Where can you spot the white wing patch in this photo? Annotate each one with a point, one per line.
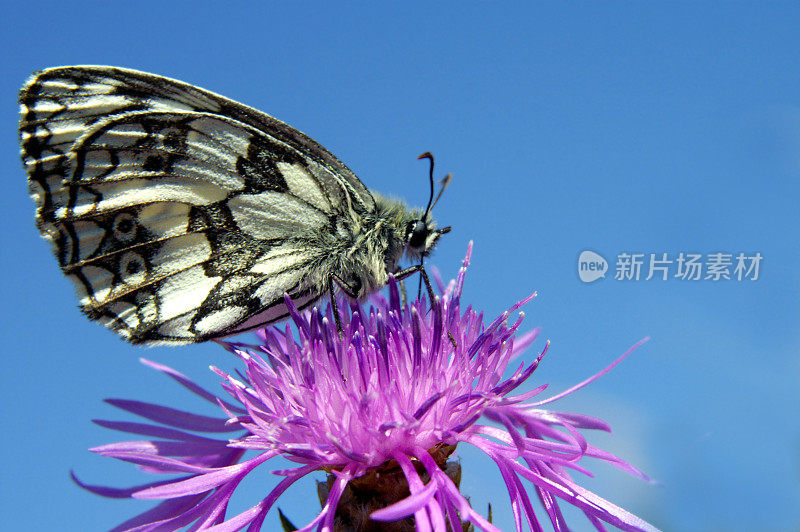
(173, 297)
(271, 215)
(304, 186)
(279, 259)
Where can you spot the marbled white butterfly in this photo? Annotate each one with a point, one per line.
(182, 216)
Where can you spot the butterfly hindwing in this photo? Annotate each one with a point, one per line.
(173, 209)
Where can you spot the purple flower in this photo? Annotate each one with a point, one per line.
(380, 410)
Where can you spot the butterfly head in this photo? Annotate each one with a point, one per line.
(421, 234)
(421, 237)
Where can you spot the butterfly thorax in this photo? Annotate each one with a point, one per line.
(361, 249)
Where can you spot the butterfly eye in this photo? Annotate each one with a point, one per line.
(418, 234)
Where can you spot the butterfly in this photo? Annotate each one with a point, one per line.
(182, 216)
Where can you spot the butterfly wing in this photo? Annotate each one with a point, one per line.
(175, 211)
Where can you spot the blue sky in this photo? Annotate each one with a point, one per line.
(617, 128)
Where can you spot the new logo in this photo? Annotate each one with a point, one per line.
(591, 266)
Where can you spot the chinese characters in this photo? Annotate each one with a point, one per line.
(687, 266)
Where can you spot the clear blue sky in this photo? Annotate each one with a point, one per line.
(638, 128)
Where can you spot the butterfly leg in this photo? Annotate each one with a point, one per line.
(452, 340)
(402, 274)
(403, 295)
(334, 306)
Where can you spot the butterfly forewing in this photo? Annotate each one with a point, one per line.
(175, 210)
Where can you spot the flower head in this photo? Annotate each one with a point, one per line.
(380, 409)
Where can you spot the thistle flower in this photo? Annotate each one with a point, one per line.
(380, 409)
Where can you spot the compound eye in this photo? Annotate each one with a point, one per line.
(419, 233)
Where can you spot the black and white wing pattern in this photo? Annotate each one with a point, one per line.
(175, 210)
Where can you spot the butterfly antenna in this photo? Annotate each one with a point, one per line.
(427, 155)
(444, 182)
